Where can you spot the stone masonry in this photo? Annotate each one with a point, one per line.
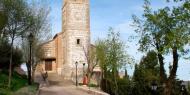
(76, 28)
(70, 45)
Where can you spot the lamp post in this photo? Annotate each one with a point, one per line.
(183, 88)
(76, 63)
(84, 78)
(83, 69)
(30, 39)
(154, 87)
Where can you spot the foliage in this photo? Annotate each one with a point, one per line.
(149, 65)
(19, 19)
(18, 22)
(19, 86)
(92, 85)
(92, 61)
(141, 86)
(112, 57)
(18, 81)
(124, 86)
(3, 21)
(145, 73)
(188, 87)
(40, 29)
(166, 31)
(5, 54)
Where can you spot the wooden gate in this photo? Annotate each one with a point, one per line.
(48, 65)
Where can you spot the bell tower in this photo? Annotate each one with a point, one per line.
(76, 36)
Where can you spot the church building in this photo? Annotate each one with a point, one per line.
(71, 45)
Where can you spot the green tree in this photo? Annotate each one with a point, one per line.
(150, 65)
(17, 23)
(40, 29)
(101, 47)
(145, 73)
(23, 19)
(112, 57)
(5, 54)
(166, 31)
(140, 86)
(92, 61)
(124, 86)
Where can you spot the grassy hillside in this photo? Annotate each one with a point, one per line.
(18, 83)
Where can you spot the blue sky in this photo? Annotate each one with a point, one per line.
(116, 14)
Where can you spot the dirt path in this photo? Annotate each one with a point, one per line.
(59, 86)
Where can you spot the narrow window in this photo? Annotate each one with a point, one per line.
(78, 41)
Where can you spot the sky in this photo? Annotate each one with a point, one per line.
(117, 14)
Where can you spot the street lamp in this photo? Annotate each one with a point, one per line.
(76, 63)
(30, 39)
(83, 69)
(154, 87)
(84, 79)
(183, 87)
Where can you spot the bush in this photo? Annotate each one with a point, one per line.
(92, 85)
(124, 87)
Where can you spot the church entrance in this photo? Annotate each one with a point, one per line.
(48, 65)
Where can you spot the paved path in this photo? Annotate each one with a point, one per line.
(59, 86)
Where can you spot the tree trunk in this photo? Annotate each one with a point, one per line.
(161, 62)
(162, 70)
(29, 72)
(171, 78)
(115, 81)
(168, 88)
(33, 74)
(89, 76)
(33, 66)
(175, 64)
(30, 65)
(10, 64)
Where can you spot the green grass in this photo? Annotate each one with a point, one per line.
(92, 85)
(18, 85)
(4, 91)
(17, 81)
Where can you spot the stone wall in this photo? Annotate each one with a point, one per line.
(49, 49)
(64, 46)
(59, 52)
(75, 26)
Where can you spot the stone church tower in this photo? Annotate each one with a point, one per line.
(72, 44)
(76, 36)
